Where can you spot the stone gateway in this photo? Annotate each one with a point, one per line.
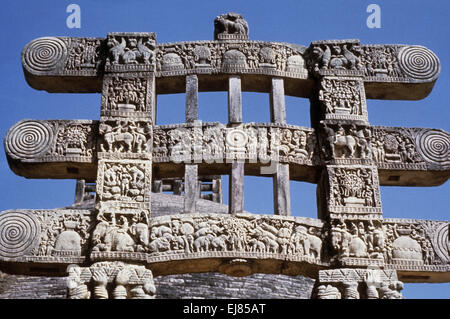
(117, 241)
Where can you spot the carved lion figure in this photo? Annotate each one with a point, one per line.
(230, 23)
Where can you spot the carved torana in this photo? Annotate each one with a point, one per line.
(113, 246)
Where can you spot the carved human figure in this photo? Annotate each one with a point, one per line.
(139, 231)
(373, 281)
(122, 280)
(76, 288)
(100, 279)
(111, 237)
(145, 291)
(391, 290)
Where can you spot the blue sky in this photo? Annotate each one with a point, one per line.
(402, 22)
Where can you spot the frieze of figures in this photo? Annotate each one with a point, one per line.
(342, 99)
(68, 236)
(124, 181)
(395, 148)
(85, 54)
(127, 96)
(213, 57)
(60, 236)
(213, 142)
(124, 137)
(246, 233)
(121, 52)
(125, 230)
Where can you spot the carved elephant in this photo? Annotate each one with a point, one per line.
(141, 234)
(202, 243)
(159, 244)
(160, 231)
(220, 243)
(112, 238)
(340, 240)
(272, 245)
(311, 244)
(257, 245)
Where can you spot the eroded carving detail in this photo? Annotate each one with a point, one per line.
(115, 280)
(215, 57)
(346, 143)
(360, 239)
(84, 54)
(64, 234)
(335, 57)
(347, 283)
(417, 243)
(74, 140)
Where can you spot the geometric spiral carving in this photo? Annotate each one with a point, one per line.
(44, 54)
(19, 234)
(29, 139)
(434, 146)
(441, 242)
(419, 62)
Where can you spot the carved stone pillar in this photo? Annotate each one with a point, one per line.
(124, 175)
(348, 191)
(236, 184)
(191, 190)
(281, 189)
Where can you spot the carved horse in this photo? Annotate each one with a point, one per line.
(113, 137)
(347, 143)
